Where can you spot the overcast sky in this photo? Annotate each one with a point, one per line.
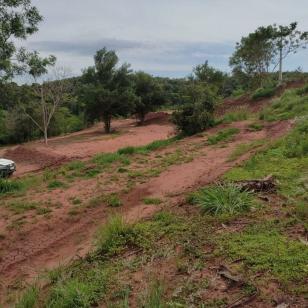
(162, 37)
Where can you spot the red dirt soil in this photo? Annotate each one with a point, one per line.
(46, 244)
(34, 156)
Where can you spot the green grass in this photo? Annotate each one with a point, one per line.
(288, 106)
(29, 298)
(155, 145)
(9, 186)
(149, 200)
(154, 296)
(234, 116)
(288, 169)
(262, 249)
(222, 199)
(20, 207)
(255, 127)
(113, 200)
(244, 148)
(55, 184)
(265, 92)
(107, 159)
(223, 135)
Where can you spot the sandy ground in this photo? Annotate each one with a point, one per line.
(45, 244)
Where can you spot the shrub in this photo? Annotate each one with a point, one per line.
(264, 93)
(223, 135)
(7, 186)
(302, 91)
(222, 199)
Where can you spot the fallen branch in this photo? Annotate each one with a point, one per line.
(267, 184)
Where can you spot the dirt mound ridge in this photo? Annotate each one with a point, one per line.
(22, 154)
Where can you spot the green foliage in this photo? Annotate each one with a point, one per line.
(20, 207)
(107, 91)
(106, 159)
(222, 199)
(113, 200)
(255, 127)
(8, 186)
(263, 249)
(265, 92)
(154, 296)
(223, 135)
(29, 299)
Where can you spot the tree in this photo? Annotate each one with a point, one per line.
(287, 40)
(197, 113)
(149, 95)
(48, 95)
(253, 54)
(18, 20)
(107, 91)
(211, 76)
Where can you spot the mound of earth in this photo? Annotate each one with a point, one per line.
(22, 154)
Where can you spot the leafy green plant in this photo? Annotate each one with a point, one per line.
(223, 135)
(222, 199)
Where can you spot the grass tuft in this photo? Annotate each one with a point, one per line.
(222, 199)
(223, 135)
(8, 186)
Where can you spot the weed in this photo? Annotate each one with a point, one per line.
(55, 184)
(8, 186)
(114, 236)
(239, 115)
(113, 200)
(20, 207)
(154, 296)
(43, 211)
(29, 298)
(107, 159)
(255, 127)
(76, 165)
(76, 201)
(264, 93)
(223, 135)
(222, 199)
(155, 201)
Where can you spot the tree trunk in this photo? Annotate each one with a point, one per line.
(107, 122)
(280, 66)
(45, 136)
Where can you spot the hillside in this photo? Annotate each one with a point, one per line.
(166, 224)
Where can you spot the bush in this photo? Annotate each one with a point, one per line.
(222, 199)
(264, 92)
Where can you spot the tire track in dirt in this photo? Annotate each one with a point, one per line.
(46, 246)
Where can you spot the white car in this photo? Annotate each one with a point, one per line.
(7, 168)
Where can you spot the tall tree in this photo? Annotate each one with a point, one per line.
(149, 95)
(107, 91)
(287, 40)
(253, 54)
(18, 20)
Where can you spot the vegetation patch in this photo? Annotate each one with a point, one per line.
(8, 186)
(244, 148)
(234, 116)
(222, 199)
(20, 207)
(255, 127)
(223, 135)
(149, 200)
(56, 184)
(263, 249)
(265, 92)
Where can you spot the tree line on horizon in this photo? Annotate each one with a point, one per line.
(58, 105)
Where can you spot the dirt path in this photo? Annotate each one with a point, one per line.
(45, 245)
(34, 156)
